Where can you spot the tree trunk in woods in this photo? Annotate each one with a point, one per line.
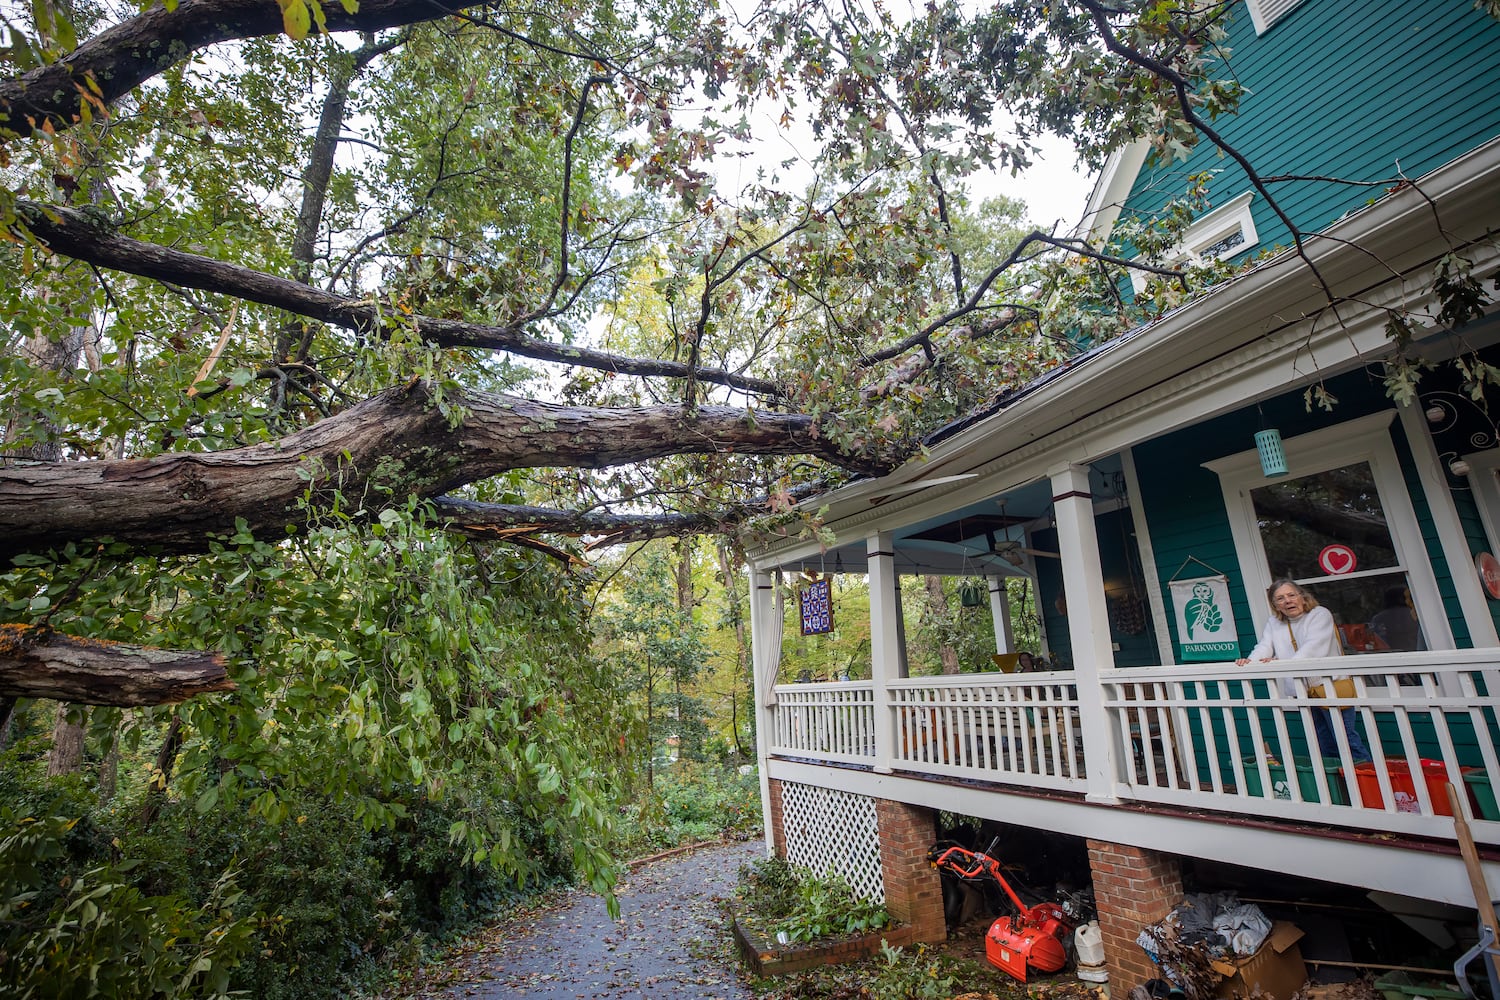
(109, 771)
(166, 759)
(741, 647)
(7, 714)
(66, 755)
(938, 603)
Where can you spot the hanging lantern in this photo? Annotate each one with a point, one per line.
(1272, 457)
(971, 594)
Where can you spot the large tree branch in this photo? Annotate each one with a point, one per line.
(36, 662)
(115, 61)
(403, 442)
(510, 521)
(75, 234)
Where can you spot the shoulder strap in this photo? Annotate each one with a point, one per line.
(1292, 636)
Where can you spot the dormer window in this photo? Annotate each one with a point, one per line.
(1225, 232)
(1264, 13)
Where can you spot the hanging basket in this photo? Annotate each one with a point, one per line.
(971, 595)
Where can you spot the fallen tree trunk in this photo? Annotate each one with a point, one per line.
(404, 442)
(36, 662)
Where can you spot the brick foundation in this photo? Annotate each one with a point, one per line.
(913, 889)
(1133, 887)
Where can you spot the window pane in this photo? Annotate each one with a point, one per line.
(1374, 613)
(1299, 517)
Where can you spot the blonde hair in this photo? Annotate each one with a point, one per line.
(1307, 596)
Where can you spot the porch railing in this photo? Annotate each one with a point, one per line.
(1215, 736)
(1242, 739)
(1000, 727)
(833, 721)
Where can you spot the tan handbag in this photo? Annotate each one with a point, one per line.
(1343, 687)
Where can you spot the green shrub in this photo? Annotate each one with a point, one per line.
(779, 900)
(94, 935)
(909, 977)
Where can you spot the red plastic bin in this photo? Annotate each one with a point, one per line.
(1434, 772)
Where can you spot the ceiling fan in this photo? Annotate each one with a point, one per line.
(1013, 551)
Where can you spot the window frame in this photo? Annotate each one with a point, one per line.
(1223, 222)
(1363, 439)
(1265, 13)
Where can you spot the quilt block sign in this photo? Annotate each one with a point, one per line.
(816, 601)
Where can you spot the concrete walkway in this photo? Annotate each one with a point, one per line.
(669, 943)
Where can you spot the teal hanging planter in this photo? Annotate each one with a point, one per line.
(1272, 455)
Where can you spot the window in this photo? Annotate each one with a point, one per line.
(1328, 531)
(1264, 13)
(1226, 231)
(1340, 522)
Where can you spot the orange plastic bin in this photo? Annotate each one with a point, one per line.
(1434, 772)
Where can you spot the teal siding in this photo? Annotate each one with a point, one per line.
(1184, 505)
(1358, 91)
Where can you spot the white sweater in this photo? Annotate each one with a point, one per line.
(1314, 633)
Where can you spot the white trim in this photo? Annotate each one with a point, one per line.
(1111, 190)
(1364, 439)
(1265, 13)
(1165, 650)
(1484, 479)
(1218, 225)
(1471, 598)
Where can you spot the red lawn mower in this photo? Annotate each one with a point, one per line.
(1032, 938)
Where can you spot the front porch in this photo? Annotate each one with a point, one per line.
(1209, 761)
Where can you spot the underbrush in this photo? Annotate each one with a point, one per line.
(692, 802)
(204, 904)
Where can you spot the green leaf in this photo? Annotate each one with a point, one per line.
(295, 19)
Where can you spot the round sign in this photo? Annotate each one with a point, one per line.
(1489, 573)
(1336, 560)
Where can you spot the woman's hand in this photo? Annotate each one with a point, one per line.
(1242, 661)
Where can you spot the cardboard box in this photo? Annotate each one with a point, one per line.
(1275, 971)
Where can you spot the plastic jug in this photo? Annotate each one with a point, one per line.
(1089, 943)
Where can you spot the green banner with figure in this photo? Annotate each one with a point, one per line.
(1205, 620)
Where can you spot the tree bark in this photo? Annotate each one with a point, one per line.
(112, 63)
(39, 663)
(66, 754)
(385, 449)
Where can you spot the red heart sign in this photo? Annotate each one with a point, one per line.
(1336, 559)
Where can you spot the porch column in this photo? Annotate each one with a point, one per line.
(764, 645)
(1005, 639)
(885, 642)
(1088, 623)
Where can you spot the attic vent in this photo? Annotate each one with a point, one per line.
(1265, 13)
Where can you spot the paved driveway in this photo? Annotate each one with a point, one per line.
(669, 943)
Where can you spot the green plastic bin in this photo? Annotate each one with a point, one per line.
(1307, 782)
(1481, 794)
(1400, 986)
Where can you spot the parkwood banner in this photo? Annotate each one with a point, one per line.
(1205, 620)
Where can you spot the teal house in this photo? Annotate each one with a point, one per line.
(1154, 489)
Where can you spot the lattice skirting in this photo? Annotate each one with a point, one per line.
(833, 831)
